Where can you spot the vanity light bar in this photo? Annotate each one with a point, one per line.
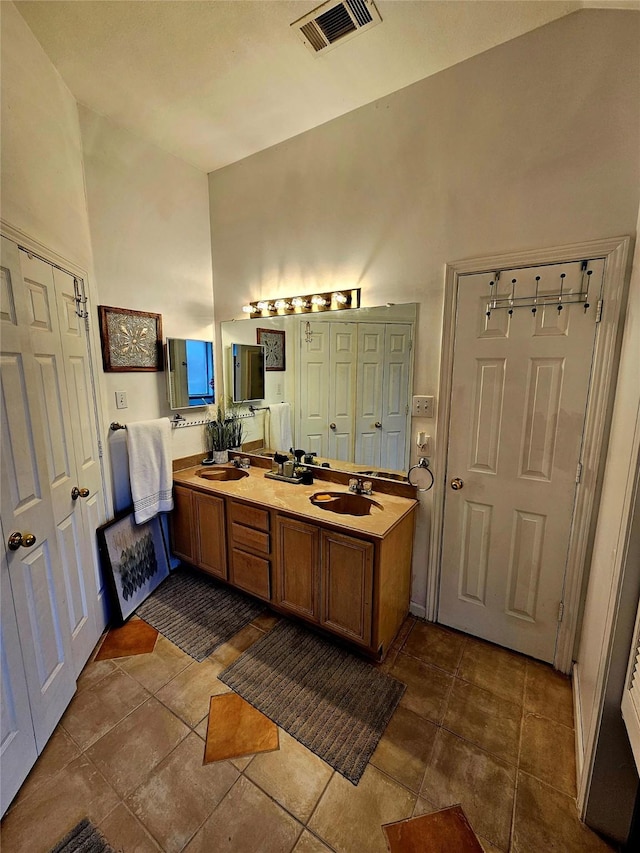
(334, 300)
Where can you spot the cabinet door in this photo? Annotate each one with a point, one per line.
(347, 584)
(298, 568)
(183, 539)
(209, 518)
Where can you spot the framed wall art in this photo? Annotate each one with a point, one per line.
(274, 352)
(134, 561)
(131, 340)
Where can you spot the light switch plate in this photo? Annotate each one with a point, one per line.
(422, 407)
(121, 400)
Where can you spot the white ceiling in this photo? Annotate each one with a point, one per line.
(214, 81)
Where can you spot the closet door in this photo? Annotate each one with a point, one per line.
(314, 387)
(34, 460)
(395, 397)
(368, 425)
(343, 341)
(63, 383)
(18, 743)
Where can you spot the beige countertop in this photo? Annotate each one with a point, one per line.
(293, 498)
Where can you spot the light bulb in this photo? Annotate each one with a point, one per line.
(318, 300)
(340, 298)
(263, 306)
(248, 309)
(281, 304)
(299, 302)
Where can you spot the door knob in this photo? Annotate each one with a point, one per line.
(79, 493)
(332, 426)
(457, 484)
(17, 540)
(378, 425)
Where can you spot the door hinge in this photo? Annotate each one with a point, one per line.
(406, 409)
(599, 311)
(560, 611)
(410, 344)
(579, 472)
(99, 449)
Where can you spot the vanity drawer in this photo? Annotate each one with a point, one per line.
(251, 573)
(247, 537)
(251, 516)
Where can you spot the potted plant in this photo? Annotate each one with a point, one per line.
(218, 437)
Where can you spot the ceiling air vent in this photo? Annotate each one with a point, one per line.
(333, 22)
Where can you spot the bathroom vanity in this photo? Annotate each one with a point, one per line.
(295, 547)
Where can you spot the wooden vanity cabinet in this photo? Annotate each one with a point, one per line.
(347, 586)
(197, 530)
(297, 576)
(250, 548)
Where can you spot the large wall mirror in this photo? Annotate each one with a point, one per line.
(348, 378)
(189, 369)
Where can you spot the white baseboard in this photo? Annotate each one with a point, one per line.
(418, 610)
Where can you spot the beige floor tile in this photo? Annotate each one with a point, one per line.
(59, 751)
(308, 843)
(484, 719)
(460, 772)
(423, 806)
(548, 753)
(93, 672)
(132, 748)
(242, 763)
(37, 823)
(233, 648)
(548, 693)
(349, 818)
(96, 710)
(405, 748)
(495, 669)
(266, 621)
(397, 644)
(124, 832)
(246, 820)
(180, 794)
(188, 694)
(293, 776)
(427, 687)
(435, 645)
(155, 670)
(546, 820)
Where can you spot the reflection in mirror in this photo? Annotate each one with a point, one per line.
(189, 373)
(248, 372)
(348, 379)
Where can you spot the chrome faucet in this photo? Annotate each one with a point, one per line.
(359, 487)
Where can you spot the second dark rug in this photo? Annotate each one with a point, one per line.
(83, 838)
(333, 702)
(196, 613)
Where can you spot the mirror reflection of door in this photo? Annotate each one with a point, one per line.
(189, 373)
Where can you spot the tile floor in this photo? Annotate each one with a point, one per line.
(478, 725)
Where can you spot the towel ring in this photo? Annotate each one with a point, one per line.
(423, 463)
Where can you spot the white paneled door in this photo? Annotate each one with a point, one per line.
(519, 394)
(51, 489)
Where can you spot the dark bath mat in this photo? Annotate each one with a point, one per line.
(196, 613)
(83, 838)
(333, 702)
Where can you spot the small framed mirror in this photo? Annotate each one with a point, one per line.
(189, 373)
(247, 365)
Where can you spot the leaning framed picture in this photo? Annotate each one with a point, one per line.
(134, 561)
(274, 351)
(131, 340)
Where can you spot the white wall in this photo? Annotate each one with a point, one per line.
(531, 144)
(42, 179)
(148, 213)
(610, 777)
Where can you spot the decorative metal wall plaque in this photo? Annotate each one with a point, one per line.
(131, 340)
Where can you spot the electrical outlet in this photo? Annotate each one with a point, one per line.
(121, 400)
(422, 407)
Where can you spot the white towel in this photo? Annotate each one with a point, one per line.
(280, 436)
(150, 467)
